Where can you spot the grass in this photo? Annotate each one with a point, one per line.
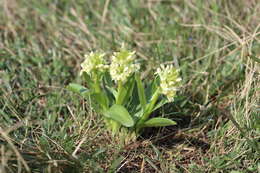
(45, 128)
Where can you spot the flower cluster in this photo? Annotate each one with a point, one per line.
(94, 63)
(122, 65)
(170, 80)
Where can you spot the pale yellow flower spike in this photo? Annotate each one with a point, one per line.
(122, 65)
(94, 63)
(169, 80)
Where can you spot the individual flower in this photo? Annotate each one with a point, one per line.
(122, 65)
(169, 80)
(94, 63)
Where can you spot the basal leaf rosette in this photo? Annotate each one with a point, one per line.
(94, 64)
(169, 80)
(122, 65)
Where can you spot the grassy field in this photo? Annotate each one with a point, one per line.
(46, 128)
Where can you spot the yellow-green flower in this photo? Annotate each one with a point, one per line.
(122, 65)
(94, 63)
(169, 80)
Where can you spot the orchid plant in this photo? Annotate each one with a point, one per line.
(118, 93)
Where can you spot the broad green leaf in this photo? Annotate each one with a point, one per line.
(101, 98)
(140, 88)
(79, 89)
(88, 80)
(125, 92)
(121, 115)
(158, 122)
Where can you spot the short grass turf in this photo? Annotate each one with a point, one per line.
(216, 44)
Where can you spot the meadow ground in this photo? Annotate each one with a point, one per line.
(216, 44)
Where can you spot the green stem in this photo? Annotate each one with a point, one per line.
(119, 99)
(115, 125)
(96, 86)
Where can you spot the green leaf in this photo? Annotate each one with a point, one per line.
(154, 85)
(88, 80)
(121, 115)
(101, 98)
(79, 89)
(125, 91)
(129, 92)
(108, 80)
(113, 91)
(158, 122)
(160, 104)
(141, 92)
(122, 91)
